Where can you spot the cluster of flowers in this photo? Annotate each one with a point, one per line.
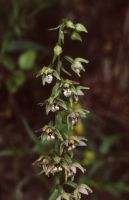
(65, 93)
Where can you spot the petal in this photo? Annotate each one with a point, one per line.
(58, 198)
(81, 143)
(73, 169)
(83, 191)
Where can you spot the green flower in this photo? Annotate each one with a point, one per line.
(47, 74)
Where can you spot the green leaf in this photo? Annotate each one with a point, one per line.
(69, 59)
(62, 104)
(76, 36)
(8, 63)
(27, 60)
(65, 71)
(54, 195)
(72, 184)
(57, 50)
(22, 45)
(15, 81)
(56, 90)
(48, 108)
(81, 28)
(107, 144)
(59, 135)
(55, 73)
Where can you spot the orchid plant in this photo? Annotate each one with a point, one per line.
(59, 160)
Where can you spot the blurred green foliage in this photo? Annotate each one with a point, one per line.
(18, 55)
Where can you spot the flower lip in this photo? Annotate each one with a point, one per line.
(57, 168)
(55, 107)
(49, 78)
(67, 92)
(70, 144)
(74, 118)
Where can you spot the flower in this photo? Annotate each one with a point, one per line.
(76, 64)
(55, 104)
(50, 132)
(74, 118)
(43, 161)
(47, 74)
(82, 189)
(70, 144)
(57, 168)
(49, 78)
(73, 170)
(66, 90)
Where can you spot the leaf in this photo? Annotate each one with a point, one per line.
(55, 73)
(27, 60)
(83, 88)
(15, 81)
(54, 195)
(62, 104)
(69, 59)
(56, 90)
(81, 28)
(65, 71)
(72, 184)
(59, 135)
(21, 45)
(57, 50)
(48, 108)
(107, 144)
(8, 63)
(76, 36)
(68, 159)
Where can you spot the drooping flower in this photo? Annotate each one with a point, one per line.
(50, 132)
(55, 107)
(82, 189)
(73, 116)
(71, 143)
(47, 74)
(55, 104)
(66, 90)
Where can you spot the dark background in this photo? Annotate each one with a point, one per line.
(25, 46)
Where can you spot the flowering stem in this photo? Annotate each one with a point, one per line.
(62, 101)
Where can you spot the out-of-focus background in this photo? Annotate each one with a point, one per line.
(25, 46)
